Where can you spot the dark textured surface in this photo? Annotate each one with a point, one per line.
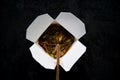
(101, 60)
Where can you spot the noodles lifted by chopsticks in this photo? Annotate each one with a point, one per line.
(54, 35)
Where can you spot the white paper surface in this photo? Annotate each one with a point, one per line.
(71, 23)
(70, 58)
(38, 26)
(42, 57)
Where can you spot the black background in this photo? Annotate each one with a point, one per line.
(101, 61)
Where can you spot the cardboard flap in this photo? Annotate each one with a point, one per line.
(71, 57)
(42, 57)
(38, 26)
(71, 23)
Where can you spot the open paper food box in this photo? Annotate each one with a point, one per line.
(46, 32)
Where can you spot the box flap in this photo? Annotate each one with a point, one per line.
(38, 26)
(71, 57)
(71, 23)
(42, 57)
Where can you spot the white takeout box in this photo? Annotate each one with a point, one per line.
(72, 24)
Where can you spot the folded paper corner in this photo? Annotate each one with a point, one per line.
(42, 58)
(72, 56)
